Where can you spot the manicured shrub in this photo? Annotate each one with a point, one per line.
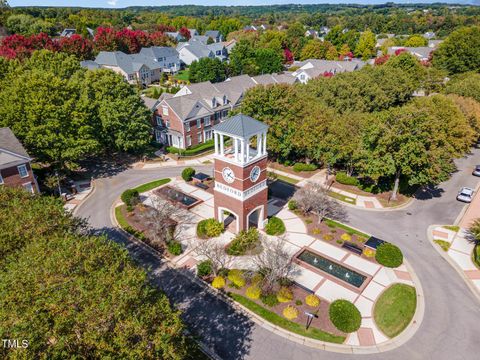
(290, 312)
(316, 231)
(340, 242)
(345, 316)
(256, 279)
(218, 282)
(298, 302)
(174, 248)
(368, 252)
(269, 299)
(275, 226)
(389, 255)
(188, 173)
(292, 205)
(204, 268)
(344, 179)
(237, 278)
(209, 228)
(284, 295)
(312, 300)
(130, 197)
(243, 242)
(328, 237)
(346, 237)
(253, 292)
(304, 167)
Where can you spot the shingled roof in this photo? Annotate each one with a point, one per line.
(241, 125)
(12, 152)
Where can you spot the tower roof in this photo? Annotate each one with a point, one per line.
(241, 126)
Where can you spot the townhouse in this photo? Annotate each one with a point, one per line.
(422, 53)
(313, 68)
(15, 168)
(197, 49)
(186, 118)
(215, 35)
(166, 56)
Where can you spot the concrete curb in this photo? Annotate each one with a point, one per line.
(384, 209)
(94, 188)
(452, 263)
(313, 343)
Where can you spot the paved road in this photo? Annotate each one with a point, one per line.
(452, 314)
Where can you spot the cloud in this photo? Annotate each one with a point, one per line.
(112, 2)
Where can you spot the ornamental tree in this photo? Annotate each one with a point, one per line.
(185, 33)
(78, 46)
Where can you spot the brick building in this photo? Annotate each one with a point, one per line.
(15, 169)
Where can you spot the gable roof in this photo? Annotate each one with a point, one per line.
(212, 33)
(127, 62)
(200, 38)
(159, 51)
(12, 152)
(197, 49)
(241, 125)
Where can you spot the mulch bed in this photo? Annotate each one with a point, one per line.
(322, 322)
(289, 169)
(334, 235)
(135, 221)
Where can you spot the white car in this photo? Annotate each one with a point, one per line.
(476, 171)
(465, 195)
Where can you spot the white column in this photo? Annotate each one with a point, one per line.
(247, 150)
(222, 150)
(242, 151)
(259, 145)
(215, 136)
(264, 147)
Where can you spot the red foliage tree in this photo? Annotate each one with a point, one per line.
(131, 41)
(21, 47)
(158, 38)
(164, 28)
(399, 51)
(105, 39)
(77, 45)
(381, 59)
(185, 33)
(287, 56)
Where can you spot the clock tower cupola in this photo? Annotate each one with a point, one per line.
(240, 172)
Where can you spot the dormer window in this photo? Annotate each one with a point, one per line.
(224, 100)
(214, 102)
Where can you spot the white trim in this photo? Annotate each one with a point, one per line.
(15, 154)
(220, 216)
(239, 194)
(23, 166)
(260, 217)
(238, 163)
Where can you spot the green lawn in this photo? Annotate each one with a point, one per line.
(182, 75)
(445, 245)
(348, 229)
(341, 197)
(395, 308)
(120, 218)
(286, 324)
(452, 227)
(151, 185)
(284, 178)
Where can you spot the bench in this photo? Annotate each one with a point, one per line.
(352, 247)
(201, 186)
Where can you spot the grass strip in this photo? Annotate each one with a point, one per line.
(275, 319)
(120, 218)
(348, 229)
(284, 178)
(152, 185)
(343, 198)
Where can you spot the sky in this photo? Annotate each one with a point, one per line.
(125, 3)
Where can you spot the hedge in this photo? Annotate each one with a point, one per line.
(304, 167)
(275, 226)
(345, 316)
(130, 197)
(344, 179)
(389, 255)
(204, 268)
(237, 278)
(209, 228)
(174, 248)
(193, 150)
(284, 295)
(188, 173)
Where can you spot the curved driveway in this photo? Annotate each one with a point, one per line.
(452, 314)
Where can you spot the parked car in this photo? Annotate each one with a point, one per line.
(465, 195)
(476, 171)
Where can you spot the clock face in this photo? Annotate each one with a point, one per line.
(255, 173)
(228, 175)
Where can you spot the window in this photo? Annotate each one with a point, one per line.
(167, 124)
(199, 137)
(164, 110)
(152, 73)
(187, 126)
(199, 123)
(22, 170)
(208, 135)
(1, 179)
(159, 120)
(28, 187)
(206, 121)
(302, 77)
(214, 102)
(224, 100)
(189, 140)
(131, 77)
(225, 113)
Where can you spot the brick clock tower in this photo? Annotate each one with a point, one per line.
(240, 172)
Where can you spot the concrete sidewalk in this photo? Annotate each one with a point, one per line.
(169, 162)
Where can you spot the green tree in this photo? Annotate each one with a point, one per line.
(317, 49)
(242, 59)
(415, 41)
(268, 61)
(73, 294)
(366, 45)
(460, 52)
(467, 84)
(207, 69)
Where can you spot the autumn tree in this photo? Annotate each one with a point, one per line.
(78, 46)
(415, 41)
(366, 45)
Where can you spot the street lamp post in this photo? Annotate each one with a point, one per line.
(310, 317)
